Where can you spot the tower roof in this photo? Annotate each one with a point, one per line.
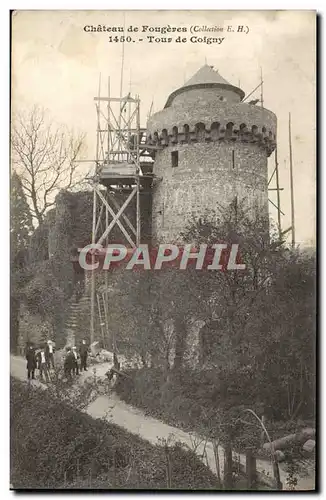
(206, 74)
(205, 77)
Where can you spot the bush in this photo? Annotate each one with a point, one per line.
(209, 402)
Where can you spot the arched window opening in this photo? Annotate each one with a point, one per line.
(229, 130)
(215, 129)
(165, 138)
(243, 128)
(200, 131)
(186, 132)
(156, 138)
(175, 134)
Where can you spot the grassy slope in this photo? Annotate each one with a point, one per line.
(54, 446)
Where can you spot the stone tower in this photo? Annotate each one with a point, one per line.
(210, 149)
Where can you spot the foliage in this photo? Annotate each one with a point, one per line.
(43, 297)
(21, 225)
(206, 402)
(20, 230)
(259, 333)
(285, 357)
(55, 446)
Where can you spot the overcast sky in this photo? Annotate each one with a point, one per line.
(56, 64)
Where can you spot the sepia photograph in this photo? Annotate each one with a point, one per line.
(163, 250)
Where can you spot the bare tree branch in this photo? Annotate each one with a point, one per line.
(46, 157)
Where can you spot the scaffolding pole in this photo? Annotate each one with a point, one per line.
(94, 224)
(261, 88)
(93, 291)
(291, 184)
(278, 196)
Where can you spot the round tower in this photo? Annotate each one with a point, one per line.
(210, 149)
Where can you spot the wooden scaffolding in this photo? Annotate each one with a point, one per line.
(123, 166)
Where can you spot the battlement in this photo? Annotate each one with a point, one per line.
(215, 131)
(208, 108)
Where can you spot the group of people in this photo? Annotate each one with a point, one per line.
(76, 360)
(43, 360)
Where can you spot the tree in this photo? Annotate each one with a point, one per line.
(286, 349)
(44, 297)
(229, 298)
(46, 157)
(258, 336)
(162, 306)
(20, 230)
(21, 225)
(258, 341)
(264, 326)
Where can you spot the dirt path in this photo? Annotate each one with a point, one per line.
(150, 429)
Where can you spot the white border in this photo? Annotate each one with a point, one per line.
(4, 185)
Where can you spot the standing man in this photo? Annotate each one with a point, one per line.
(69, 363)
(42, 365)
(31, 362)
(49, 350)
(75, 370)
(83, 356)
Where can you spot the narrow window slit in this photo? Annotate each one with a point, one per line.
(175, 158)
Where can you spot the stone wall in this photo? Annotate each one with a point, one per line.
(189, 97)
(208, 177)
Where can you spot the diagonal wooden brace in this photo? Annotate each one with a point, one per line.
(124, 216)
(115, 219)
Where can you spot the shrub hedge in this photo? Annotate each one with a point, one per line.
(208, 402)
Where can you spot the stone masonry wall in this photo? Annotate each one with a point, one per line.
(206, 179)
(194, 96)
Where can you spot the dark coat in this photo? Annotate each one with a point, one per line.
(83, 350)
(31, 359)
(69, 361)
